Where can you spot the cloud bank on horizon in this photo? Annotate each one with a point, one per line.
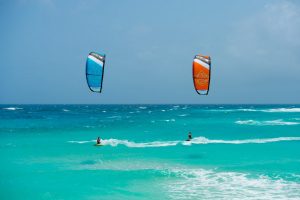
(255, 48)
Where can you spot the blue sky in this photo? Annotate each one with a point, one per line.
(150, 45)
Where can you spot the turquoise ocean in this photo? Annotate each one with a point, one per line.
(237, 152)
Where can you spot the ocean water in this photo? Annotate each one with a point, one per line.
(237, 152)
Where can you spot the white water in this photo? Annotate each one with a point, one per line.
(208, 184)
(278, 122)
(272, 110)
(196, 140)
(185, 182)
(12, 108)
(282, 110)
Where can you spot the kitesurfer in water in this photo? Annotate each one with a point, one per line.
(98, 140)
(190, 136)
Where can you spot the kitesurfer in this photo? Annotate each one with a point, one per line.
(190, 136)
(98, 140)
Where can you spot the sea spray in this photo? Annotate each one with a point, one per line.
(197, 140)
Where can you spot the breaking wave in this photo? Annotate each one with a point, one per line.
(183, 115)
(271, 110)
(278, 122)
(12, 108)
(209, 184)
(185, 182)
(282, 110)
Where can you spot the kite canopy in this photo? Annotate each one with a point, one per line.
(201, 74)
(94, 71)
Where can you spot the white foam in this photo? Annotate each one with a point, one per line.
(116, 142)
(12, 108)
(142, 107)
(278, 122)
(234, 110)
(169, 120)
(183, 115)
(66, 110)
(209, 184)
(223, 110)
(82, 142)
(184, 182)
(114, 117)
(197, 140)
(247, 110)
(203, 140)
(282, 110)
(89, 126)
(271, 110)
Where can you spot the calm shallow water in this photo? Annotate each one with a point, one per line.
(238, 152)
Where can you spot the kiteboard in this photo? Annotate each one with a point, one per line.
(98, 145)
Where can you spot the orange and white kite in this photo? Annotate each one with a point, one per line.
(201, 73)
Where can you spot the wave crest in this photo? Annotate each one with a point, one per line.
(12, 108)
(198, 183)
(282, 110)
(203, 184)
(278, 122)
(271, 110)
